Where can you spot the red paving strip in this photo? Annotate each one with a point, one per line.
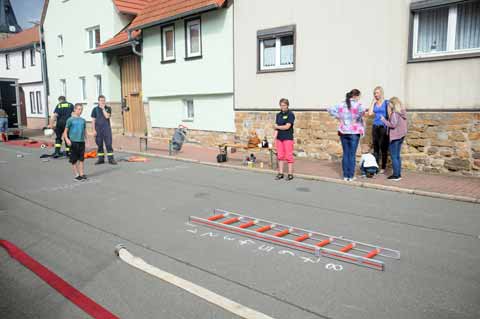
(68, 291)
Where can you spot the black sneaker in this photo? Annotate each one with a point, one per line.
(289, 177)
(279, 177)
(112, 162)
(78, 178)
(84, 177)
(56, 155)
(394, 178)
(100, 161)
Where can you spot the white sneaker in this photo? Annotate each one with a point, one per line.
(346, 179)
(353, 179)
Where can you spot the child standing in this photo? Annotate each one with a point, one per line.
(75, 134)
(368, 165)
(397, 124)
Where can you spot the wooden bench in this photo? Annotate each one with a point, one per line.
(223, 148)
(144, 140)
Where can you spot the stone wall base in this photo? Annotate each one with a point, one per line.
(36, 123)
(438, 142)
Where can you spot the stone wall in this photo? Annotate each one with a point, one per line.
(116, 120)
(36, 122)
(446, 142)
(436, 142)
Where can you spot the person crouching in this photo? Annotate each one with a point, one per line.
(368, 165)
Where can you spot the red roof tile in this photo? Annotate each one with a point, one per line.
(21, 39)
(119, 40)
(158, 10)
(130, 6)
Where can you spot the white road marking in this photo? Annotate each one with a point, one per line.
(192, 288)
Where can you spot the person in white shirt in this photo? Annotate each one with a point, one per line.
(368, 165)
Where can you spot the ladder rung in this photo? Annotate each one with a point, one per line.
(231, 220)
(372, 254)
(324, 242)
(263, 229)
(347, 248)
(282, 233)
(247, 224)
(302, 238)
(216, 217)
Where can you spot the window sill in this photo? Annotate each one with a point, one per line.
(89, 50)
(188, 120)
(445, 57)
(276, 70)
(168, 61)
(190, 58)
(59, 55)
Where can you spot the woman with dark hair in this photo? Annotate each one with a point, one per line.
(379, 129)
(350, 116)
(283, 137)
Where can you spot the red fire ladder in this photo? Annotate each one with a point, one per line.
(336, 247)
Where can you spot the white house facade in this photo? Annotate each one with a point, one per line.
(72, 30)
(20, 59)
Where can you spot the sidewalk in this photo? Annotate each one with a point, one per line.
(442, 186)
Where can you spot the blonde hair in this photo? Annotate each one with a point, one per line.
(382, 92)
(396, 105)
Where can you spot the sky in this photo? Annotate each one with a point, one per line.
(27, 10)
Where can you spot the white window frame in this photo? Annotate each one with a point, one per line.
(98, 85)
(33, 107)
(38, 98)
(33, 57)
(63, 87)
(187, 116)
(451, 36)
(24, 59)
(91, 32)
(188, 52)
(83, 88)
(7, 61)
(60, 45)
(277, 34)
(166, 29)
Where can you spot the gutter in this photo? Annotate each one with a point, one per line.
(133, 43)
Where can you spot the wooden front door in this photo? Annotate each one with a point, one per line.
(134, 114)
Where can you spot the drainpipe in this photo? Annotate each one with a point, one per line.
(133, 43)
(43, 63)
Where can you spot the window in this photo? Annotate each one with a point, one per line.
(60, 45)
(23, 59)
(33, 107)
(276, 49)
(93, 38)
(446, 30)
(32, 56)
(189, 110)
(83, 88)
(168, 43)
(194, 38)
(98, 85)
(63, 87)
(7, 61)
(39, 102)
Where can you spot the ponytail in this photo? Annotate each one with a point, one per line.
(350, 95)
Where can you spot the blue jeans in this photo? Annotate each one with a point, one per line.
(3, 124)
(349, 146)
(395, 148)
(368, 170)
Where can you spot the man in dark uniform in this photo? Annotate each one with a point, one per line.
(61, 114)
(102, 130)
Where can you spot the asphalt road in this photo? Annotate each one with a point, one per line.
(73, 227)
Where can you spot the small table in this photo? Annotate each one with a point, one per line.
(144, 140)
(223, 148)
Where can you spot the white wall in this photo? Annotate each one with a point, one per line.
(27, 88)
(29, 74)
(212, 74)
(71, 19)
(212, 112)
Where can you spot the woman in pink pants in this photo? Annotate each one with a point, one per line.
(284, 139)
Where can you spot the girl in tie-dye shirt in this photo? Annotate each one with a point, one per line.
(350, 116)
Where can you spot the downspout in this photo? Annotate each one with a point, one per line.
(43, 64)
(133, 43)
